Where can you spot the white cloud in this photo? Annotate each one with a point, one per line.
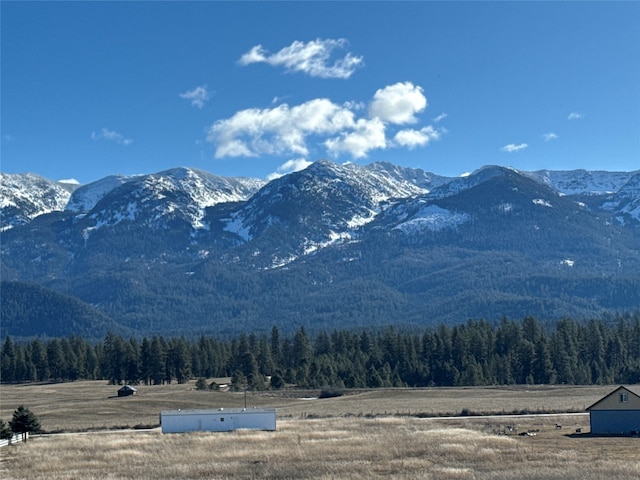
(277, 130)
(293, 165)
(106, 134)
(366, 135)
(398, 103)
(416, 138)
(549, 136)
(440, 117)
(514, 148)
(575, 116)
(70, 181)
(198, 96)
(311, 58)
(347, 128)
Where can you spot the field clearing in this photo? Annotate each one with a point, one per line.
(77, 406)
(363, 434)
(353, 447)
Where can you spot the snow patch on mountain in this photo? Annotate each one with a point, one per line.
(505, 207)
(311, 246)
(626, 202)
(280, 262)
(542, 202)
(574, 182)
(236, 225)
(358, 221)
(417, 177)
(87, 196)
(433, 218)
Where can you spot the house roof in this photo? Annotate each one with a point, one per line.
(129, 387)
(633, 390)
(218, 411)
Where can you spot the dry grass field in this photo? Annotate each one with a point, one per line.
(86, 405)
(368, 434)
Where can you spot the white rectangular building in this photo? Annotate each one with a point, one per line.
(221, 420)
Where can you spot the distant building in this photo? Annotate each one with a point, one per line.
(126, 391)
(221, 420)
(617, 413)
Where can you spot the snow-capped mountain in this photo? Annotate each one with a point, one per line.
(491, 194)
(576, 182)
(334, 245)
(322, 205)
(457, 185)
(626, 201)
(402, 175)
(24, 196)
(85, 197)
(179, 194)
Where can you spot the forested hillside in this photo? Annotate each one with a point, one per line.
(601, 351)
(30, 310)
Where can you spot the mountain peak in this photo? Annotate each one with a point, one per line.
(24, 196)
(477, 177)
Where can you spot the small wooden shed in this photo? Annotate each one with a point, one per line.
(617, 413)
(221, 420)
(127, 390)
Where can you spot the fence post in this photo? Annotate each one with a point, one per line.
(18, 437)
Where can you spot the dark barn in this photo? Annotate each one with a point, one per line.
(126, 391)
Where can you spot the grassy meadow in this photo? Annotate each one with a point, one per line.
(363, 434)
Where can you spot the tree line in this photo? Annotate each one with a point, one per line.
(477, 352)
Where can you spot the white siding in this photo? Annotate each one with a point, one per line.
(223, 420)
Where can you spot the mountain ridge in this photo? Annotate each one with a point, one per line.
(333, 244)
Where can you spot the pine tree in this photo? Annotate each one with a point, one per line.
(55, 356)
(302, 351)
(40, 360)
(157, 357)
(276, 351)
(8, 361)
(201, 384)
(5, 431)
(277, 382)
(24, 421)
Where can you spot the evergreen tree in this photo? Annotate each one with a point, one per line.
(179, 360)
(55, 357)
(132, 361)
(276, 349)
(40, 360)
(302, 351)
(157, 361)
(265, 361)
(277, 382)
(8, 361)
(145, 361)
(24, 421)
(542, 367)
(5, 431)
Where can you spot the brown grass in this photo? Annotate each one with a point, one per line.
(354, 447)
(94, 405)
(361, 435)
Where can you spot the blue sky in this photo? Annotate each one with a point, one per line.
(260, 89)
